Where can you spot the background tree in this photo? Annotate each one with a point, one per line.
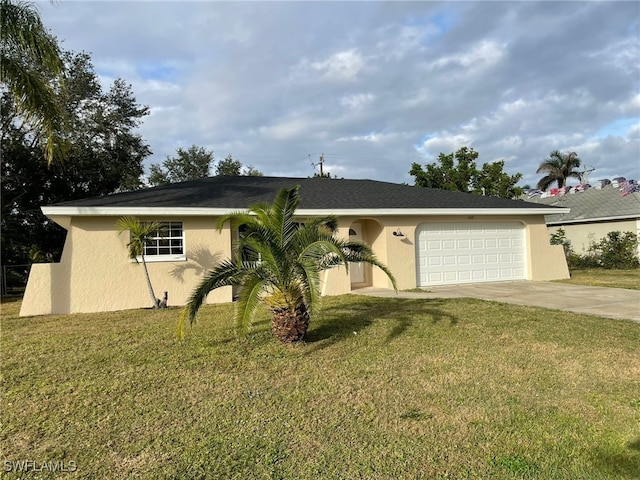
(139, 234)
(452, 171)
(458, 172)
(231, 167)
(104, 156)
(558, 168)
(188, 164)
(32, 72)
(286, 279)
(493, 181)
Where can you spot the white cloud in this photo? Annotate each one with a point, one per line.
(357, 101)
(341, 66)
(373, 85)
(446, 142)
(481, 56)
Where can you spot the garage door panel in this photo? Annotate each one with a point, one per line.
(493, 274)
(492, 258)
(448, 260)
(448, 244)
(450, 253)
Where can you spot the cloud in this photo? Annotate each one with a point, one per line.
(343, 66)
(356, 101)
(375, 86)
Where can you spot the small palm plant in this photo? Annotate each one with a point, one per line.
(282, 270)
(139, 234)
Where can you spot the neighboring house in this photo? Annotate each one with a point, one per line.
(594, 213)
(425, 236)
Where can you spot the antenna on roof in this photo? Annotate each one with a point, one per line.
(320, 162)
(584, 176)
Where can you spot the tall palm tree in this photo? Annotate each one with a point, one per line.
(277, 263)
(558, 168)
(30, 59)
(140, 233)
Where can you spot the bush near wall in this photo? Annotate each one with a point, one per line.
(617, 250)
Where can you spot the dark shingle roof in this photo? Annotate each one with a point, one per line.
(592, 204)
(316, 193)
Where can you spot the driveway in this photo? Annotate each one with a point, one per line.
(604, 302)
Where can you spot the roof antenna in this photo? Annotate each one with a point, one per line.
(320, 162)
(584, 176)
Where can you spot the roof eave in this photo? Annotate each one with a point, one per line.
(204, 211)
(595, 219)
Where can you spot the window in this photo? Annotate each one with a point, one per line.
(167, 244)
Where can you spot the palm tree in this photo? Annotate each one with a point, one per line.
(277, 263)
(558, 167)
(30, 59)
(140, 233)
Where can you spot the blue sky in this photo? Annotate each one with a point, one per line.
(375, 86)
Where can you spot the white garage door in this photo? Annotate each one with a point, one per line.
(450, 253)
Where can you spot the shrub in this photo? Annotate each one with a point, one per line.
(617, 250)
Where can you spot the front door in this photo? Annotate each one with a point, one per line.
(356, 269)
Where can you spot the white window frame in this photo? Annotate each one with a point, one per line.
(167, 257)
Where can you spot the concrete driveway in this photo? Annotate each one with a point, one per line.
(603, 302)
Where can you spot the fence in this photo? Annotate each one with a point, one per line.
(13, 279)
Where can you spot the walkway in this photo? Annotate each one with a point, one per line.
(604, 302)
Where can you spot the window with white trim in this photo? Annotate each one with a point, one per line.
(167, 244)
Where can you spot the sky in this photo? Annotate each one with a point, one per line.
(373, 86)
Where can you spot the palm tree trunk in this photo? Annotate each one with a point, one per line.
(156, 303)
(288, 326)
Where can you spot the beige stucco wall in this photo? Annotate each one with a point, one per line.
(545, 261)
(582, 235)
(95, 273)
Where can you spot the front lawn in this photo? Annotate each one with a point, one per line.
(600, 277)
(383, 389)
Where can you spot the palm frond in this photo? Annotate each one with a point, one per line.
(360, 252)
(327, 224)
(139, 233)
(282, 213)
(320, 249)
(225, 274)
(250, 295)
(22, 30)
(309, 285)
(238, 218)
(30, 59)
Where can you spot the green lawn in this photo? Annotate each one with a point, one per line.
(600, 277)
(383, 389)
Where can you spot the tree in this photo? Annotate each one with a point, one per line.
(32, 71)
(558, 168)
(231, 167)
(283, 270)
(104, 156)
(493, 181)
(139, 234)
(189, 164)
(458, 172)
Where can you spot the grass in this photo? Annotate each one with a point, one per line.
(599, 277)
(383, 389)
